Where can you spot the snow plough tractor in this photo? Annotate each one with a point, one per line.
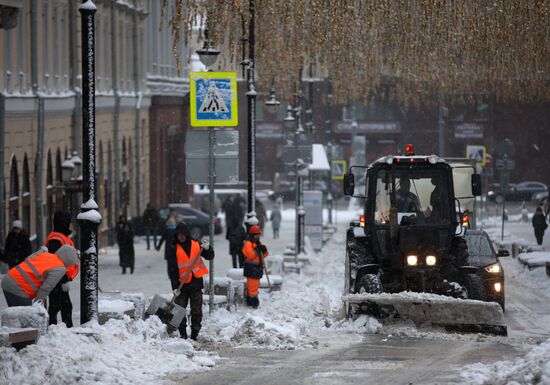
(407, 257)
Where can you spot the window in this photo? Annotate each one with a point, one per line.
(26, 194)
(419, 196)
(14, 191)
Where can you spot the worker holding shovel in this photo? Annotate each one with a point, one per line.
(254, 253)
(188, 255)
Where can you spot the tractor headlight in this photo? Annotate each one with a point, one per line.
(498, 287)
(412, 260)
(431, 260)
(494, 269)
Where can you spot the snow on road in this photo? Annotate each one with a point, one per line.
(298, 317)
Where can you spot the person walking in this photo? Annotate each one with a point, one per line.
(236, 235)
(188, 255)
(151, 220)
(125, 240)
(60, 300)
(539, 224)
(37, 275)
(261, 214)
(276, 218)
(168, 238)
(18, 245)
(254, 253)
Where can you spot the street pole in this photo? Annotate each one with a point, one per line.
(328, 130)
(251, 98)
(212, 181)
(89, 218)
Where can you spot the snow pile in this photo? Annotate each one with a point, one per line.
(293, 317)
(35, 316)
(119, 352)
(534, 368)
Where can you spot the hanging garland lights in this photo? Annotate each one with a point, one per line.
(427, 51)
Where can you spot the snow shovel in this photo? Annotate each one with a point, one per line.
(453, 314)
(265, 269)
(169, 312)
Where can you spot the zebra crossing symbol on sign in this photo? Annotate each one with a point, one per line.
(213, 99)
(479, 153)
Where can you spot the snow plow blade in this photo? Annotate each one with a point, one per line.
(452, 314)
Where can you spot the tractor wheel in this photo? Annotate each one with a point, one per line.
(459, 251)
(370, 283)
(474, 287)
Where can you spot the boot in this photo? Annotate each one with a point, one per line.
(248, 301)
(194, 334)
(255, 302)
(123, 270)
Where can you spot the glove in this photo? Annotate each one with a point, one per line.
(205, 244)
(177, 292)
(66, 287)
(262, 249)
(40, 302)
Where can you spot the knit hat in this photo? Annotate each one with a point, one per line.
(62, 222)
(68, 254)
(17, 223)
(182, 228)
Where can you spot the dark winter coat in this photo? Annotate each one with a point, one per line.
(196, 284)
(539, 222)
(17, 248)
(151, 217)
(236, 236)
(125, 240)
(261, 214)
(276, 217)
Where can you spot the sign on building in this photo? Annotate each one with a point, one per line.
(213, 99)
(478, 153)
(338, 167)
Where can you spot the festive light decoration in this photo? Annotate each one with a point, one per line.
(407, 51)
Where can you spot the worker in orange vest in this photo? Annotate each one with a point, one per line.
(253, 268)
(59, 299)
(189, 255)
(37, 275)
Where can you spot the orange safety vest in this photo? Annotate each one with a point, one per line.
(29, 274)
(72, 271)
(250, 253)
(184, 262)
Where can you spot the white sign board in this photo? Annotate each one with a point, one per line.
(313, 220)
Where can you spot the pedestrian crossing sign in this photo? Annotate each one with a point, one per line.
(338, 169)
(213, 99)
(478, 153)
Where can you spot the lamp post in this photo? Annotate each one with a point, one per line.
(89, 218)
(208, 56)
(328, 132)
(251, 103)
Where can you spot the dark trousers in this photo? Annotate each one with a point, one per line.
(150, 230)
(539, 234)
(13, 300)
(60, 301)
(195, 299)
(237, 260)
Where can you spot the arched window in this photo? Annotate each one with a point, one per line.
(14, 191)
(26, 194)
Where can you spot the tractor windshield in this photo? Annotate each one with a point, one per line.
(418, 196)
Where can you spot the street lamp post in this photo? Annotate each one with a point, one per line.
(208, 56)
(89, 218)
(251, 101)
